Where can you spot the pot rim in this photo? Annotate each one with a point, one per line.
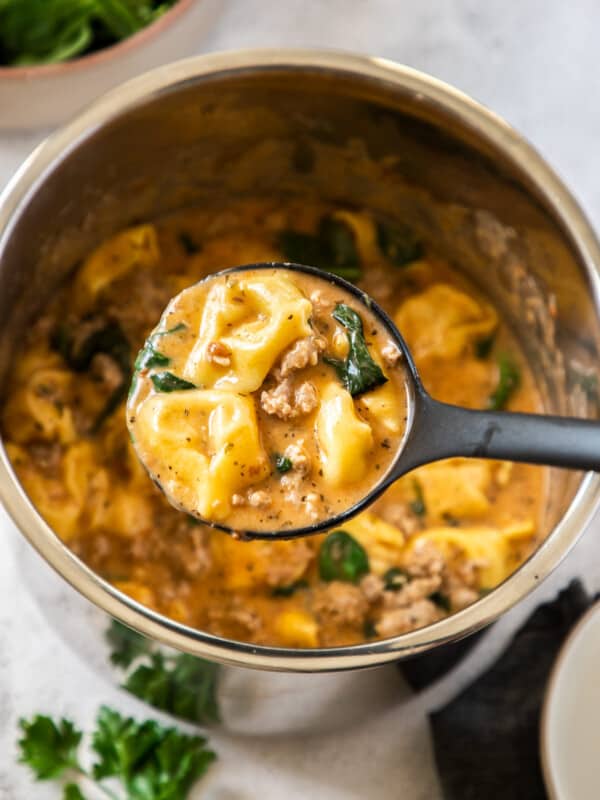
(490, 128)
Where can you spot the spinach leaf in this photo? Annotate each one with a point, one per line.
(149, 357)
(332, 248)
(79, 351)
(398, 243)
(508, 382)
(359, 373)
(167, 382)
(342, 558)
(50, 31)
(103, 337)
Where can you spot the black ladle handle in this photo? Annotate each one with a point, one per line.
(441, 430)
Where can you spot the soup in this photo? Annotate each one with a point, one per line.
(432, 544)
(259, 402)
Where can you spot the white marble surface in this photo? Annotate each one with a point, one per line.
(536, 64)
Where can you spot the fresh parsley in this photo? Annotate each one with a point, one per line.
(332, 248)
(49, 748)
(147, 760)
(509, 380)
(358, 372)
(72, 792)
(126, 645)
(178, 683)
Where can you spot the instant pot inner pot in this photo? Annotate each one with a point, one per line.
(327, 135)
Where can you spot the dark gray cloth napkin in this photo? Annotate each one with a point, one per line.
(486, 740)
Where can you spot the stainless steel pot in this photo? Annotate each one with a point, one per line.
(357, 131)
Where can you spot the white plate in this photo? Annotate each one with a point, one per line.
(570, 729)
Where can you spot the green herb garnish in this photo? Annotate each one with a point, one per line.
(441, 600)
(151, 762)
(394, 578)
(289, 589)
(359, 373)
(149, 357)
(342, 558)
(508, 381)
(282, 463)
(177, 683)
(50, 31)
(167, 382)
(398, 243)
(417, 506)
(183, 685)
(332, 248)
(78, 352)
(145, 760)
(369, 629)
(49, 748)
(72, 792)
(126, 644)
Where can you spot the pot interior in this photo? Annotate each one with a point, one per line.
(342, 137)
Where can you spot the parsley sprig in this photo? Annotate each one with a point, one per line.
(180, 684)
(146, 760)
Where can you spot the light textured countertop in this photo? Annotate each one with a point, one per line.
(536, 63)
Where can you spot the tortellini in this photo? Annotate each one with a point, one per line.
(455, 487)
(443, 321)
(254, 319)
(131, 249)
(203, 446)
(488, 547)
(345, 441)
